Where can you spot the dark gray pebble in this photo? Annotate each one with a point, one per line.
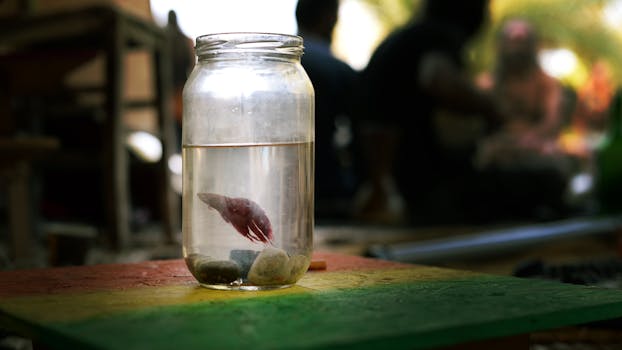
(244, 258)
(193, 259)
(216, 272)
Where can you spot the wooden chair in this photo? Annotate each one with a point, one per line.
(114, 32)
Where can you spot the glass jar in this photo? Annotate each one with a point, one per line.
(248, 162)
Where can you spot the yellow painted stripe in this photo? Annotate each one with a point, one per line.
(371, 277)
(73, 307)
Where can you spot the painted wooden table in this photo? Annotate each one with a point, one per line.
(355, 302)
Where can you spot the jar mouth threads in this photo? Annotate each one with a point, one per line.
(251, 42)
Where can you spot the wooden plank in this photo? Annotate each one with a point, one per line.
(357, 303)
(75, 24)
(29, 32)
(15, 149)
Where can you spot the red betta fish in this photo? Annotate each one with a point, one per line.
(245, 215)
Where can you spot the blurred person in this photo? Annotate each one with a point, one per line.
(524, 161)
(414, 75)
(333, 79)
(532, 100)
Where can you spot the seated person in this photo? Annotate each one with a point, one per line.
(524, 160)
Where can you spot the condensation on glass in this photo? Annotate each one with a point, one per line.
(248, 162)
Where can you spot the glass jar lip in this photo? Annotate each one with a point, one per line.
(238, 42)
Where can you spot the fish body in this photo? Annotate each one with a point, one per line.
(248, 218)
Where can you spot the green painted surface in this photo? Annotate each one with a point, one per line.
(412, 315)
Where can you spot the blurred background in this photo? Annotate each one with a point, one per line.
(90, 112)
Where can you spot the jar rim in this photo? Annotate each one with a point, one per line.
(265, 42)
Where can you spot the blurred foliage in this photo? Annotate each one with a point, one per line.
(394, 13)
(577, 25)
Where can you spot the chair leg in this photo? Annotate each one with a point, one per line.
(116, 162)
(169, 200)
(19, 213)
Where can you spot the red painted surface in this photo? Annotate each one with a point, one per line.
(340, 262)
(149, 273)
(91, 278)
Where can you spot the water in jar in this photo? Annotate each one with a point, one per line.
(247, 218)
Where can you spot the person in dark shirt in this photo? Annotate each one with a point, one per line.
(332, 79)
(417, 71)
